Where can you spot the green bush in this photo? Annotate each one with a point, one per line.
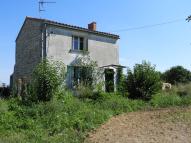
(186, 101)
(4, 92)
(121, 81)
(183, 89)
(177, 75)
(85, 92)
(46, 79)
(143, 81)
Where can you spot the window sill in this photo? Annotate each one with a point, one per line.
(79, 51)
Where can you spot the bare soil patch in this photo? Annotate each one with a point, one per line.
(159, 126)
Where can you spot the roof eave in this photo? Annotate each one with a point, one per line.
(84, 30)
(69, 27)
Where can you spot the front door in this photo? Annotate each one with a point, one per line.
(109, 80)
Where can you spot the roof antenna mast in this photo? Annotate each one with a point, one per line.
(189, 18)
(42, 3)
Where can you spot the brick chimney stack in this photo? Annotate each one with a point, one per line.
(92, 26)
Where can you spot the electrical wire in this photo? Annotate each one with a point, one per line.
(149, 26)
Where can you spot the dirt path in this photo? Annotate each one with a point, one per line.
(161, 126)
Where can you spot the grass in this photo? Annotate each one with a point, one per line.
(68, 119)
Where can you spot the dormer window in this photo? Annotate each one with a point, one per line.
(77, 43)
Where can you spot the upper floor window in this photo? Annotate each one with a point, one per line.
(78, 43)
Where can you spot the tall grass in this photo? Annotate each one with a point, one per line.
(183, 89)
(165, 100)
(180, 95)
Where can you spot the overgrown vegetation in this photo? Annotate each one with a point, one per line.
(88, 73)
(4, 92)
(59, 116)
(121, 82)
(88, 81)
(47, 78)
(67, 118)
(143, 81)
(64, 119)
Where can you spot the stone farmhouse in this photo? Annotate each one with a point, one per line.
(41, 38)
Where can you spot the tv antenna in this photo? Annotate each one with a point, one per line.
(42, 3)
(189, 18)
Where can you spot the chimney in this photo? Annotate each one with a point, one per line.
(92, 26)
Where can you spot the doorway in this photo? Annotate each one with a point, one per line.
(109, 80)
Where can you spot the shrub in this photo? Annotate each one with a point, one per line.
(177, 75)
(121, 81)
(84, 92)
(46, 79)
(183, 89)
(166, 100)
(143, 81)
(4, 92)
(186, 101)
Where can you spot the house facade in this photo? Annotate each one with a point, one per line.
(41, 38)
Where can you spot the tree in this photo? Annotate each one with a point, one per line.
(143, 81)
(177, 74)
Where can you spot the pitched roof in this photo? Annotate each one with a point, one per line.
(50, 22)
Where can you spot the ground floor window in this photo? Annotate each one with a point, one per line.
(82, 75)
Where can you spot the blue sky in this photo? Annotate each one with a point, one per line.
(165, 45)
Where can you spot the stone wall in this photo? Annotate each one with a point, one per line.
(28, 49)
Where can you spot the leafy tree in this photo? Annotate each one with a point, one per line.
(143, 81)
(177, 74)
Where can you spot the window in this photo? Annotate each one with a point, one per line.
(78, 43)
(75, 43)
(82, 75)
